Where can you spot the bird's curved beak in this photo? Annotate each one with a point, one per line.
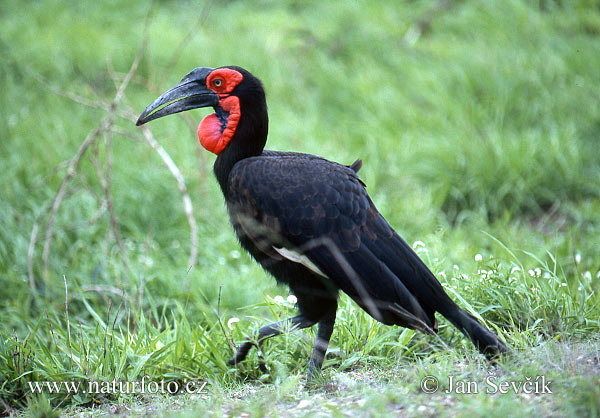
(190, 93)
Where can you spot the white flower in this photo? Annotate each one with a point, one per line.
(587, 275)
(235, 254)
(303, 403)
(148, 261)
(538, 271)
(232, 321)
(292, 299)
(478, 257)
(418, 244)
(578, 258)
(278, 299)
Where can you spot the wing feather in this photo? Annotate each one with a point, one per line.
(321, 210)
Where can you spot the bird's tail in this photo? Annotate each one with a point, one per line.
(485, 340)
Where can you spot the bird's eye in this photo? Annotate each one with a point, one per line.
(218, 82)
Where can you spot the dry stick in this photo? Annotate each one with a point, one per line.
(97, 215)
(106, 326)
(72, 164)
(51, 329)
(97, 104)
(68, 322)
(105, 124)
(422, 25)
(47, 177)
(187, 202)
(17, 353)
(105, 181)
(69, 95)
(115, 320)
(71, 168)
(7, 407)
(30, 251)
(32, 242)
(227, 337)
(104, 289)
(86, 349)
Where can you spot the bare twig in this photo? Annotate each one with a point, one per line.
(94, 104)
(227, 337)
(423, 24)
(115, 320)
(187, 202)
(71, 168)
(106, 326)
(7, 407)
(123, 132)
(67, 94)
(105, 181)
(104, 289)
(98, 214)
(51, 329)
(68, 323)
(30, 251)
(105, 125)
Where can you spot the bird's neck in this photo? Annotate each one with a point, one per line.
(248, 141)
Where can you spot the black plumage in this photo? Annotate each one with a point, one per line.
(311, 224)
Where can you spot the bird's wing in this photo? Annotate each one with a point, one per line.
(321, 211)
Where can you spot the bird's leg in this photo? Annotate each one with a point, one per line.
(321, 343)
(268, 331)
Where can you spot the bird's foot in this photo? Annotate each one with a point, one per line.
(241, 353)
(263, 366)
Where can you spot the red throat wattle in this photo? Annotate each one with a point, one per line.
(212, 134)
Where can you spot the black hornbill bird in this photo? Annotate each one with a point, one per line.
(309, 221)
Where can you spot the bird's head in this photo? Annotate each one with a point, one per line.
(237, 97)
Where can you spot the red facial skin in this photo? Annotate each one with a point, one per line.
(222, 81)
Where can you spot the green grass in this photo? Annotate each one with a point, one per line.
(479, 139)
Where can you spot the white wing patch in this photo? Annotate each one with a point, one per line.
(295, 257)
